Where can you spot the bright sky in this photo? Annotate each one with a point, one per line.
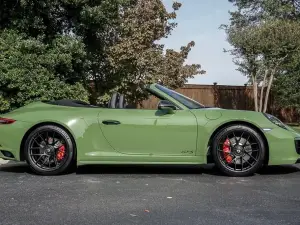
(199, 21)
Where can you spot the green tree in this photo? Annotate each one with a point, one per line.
(264, 39)
(286, 87)
(58, 46)
(138, 59)
(31, 70)
(112, 44)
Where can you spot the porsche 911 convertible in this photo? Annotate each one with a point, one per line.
(54, 136)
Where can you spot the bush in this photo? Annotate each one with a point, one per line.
(32, 70)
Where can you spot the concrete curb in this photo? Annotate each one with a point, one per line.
(2, 161)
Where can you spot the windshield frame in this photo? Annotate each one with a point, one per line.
(182, 99)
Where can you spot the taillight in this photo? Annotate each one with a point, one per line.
(6, 121)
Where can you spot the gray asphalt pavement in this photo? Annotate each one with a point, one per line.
(149, 195)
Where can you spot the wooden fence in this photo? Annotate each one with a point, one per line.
(229, 97)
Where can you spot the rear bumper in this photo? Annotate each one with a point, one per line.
(10, 139)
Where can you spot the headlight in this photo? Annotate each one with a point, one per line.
(276, 121)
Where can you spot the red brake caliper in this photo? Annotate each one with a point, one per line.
(226, 151)
(61, 153)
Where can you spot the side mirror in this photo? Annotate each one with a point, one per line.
(165, 105)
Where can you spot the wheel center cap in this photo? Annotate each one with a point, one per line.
(49, 150)
(239, 150)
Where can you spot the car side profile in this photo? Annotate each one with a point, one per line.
(54, 136)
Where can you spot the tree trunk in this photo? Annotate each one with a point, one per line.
(268, 90)
(255, 92)
(262, 91)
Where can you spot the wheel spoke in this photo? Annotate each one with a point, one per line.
(242, 163)
(47, 137)
(247, 140)
(254, 150)
(38, 159)
(36, 142)
(55, 161)
(44, 161)
(251, 150)
(247, 162)
(41, 137)
(236, 140)
(235, 163)
(251, 156)
(241, 137)
(49, 161)
(251, 144)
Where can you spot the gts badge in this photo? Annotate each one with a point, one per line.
(187, 152)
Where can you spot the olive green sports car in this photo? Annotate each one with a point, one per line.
(54, 136)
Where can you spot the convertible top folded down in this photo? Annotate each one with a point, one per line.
(71, 103)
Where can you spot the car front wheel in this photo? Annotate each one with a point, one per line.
(239, 150)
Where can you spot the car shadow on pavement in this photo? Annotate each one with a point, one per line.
(140, 169)
(151, 169)
(175, 169)
(15, 168)
(277, 170)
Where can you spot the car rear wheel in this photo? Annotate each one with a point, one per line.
(49, 150)
(239, 150)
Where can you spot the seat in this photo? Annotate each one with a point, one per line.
(113, 100)
(121, 103)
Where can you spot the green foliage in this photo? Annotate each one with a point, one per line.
(253, 12)
(31, 70)
(264, 35)
(63, 46)
(137, 59)
(286, 89)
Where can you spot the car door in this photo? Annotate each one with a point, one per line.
(150, 132)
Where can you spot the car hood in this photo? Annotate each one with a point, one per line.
(228, 115)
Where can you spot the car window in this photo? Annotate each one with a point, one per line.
(186, 101)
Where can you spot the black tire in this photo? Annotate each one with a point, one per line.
(238, 151)
(65, 165)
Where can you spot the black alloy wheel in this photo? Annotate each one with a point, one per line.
(239, 150)
(49, 150)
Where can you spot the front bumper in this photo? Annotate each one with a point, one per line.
(297, 146)
(283, 146)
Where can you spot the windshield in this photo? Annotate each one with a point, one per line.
(188, 102)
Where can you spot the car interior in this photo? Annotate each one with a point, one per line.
(117, 101)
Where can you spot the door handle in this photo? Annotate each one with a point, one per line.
(111, 122)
